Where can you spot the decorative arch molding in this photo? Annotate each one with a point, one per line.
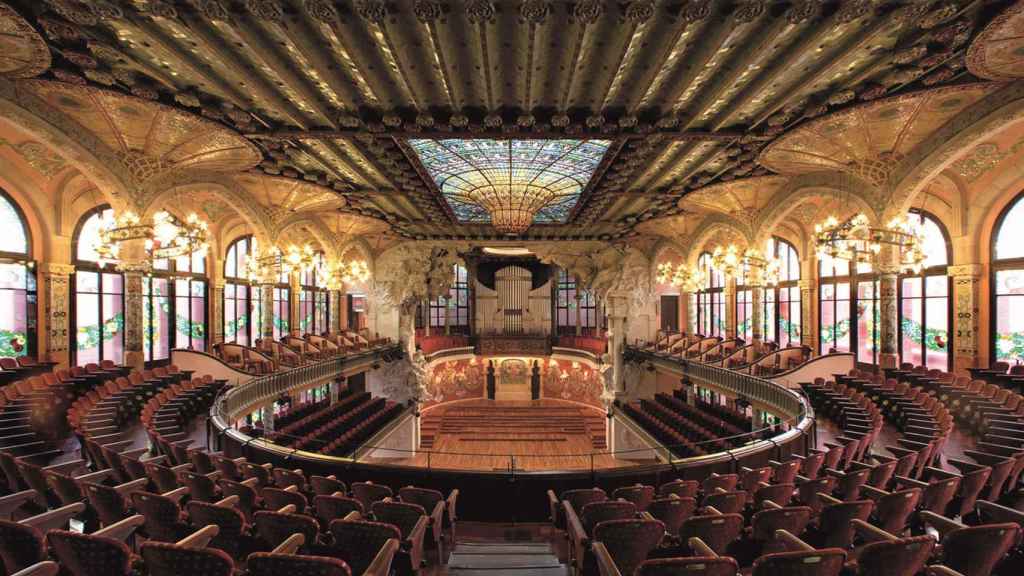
(712, 225)
(327, 239)
(83, 150)
(223, 187)
(995, 113)
(812, 185)
(661, 247)
(359, 245)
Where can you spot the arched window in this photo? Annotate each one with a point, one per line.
(1008, 284)
(98, 318)
(782, 302)
(569, 299)
(242, 302)
(18, 298)
(710, 299)
(312, 300)
(924, 311)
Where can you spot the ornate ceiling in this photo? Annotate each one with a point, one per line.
(329, 93)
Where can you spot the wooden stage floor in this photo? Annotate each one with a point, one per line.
(532, 435)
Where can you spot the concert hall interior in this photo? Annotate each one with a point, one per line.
(511, 287)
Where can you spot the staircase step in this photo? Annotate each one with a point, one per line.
(505, 559)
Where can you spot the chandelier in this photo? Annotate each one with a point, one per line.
(164, 238)
(858, 242)
(731, 261)
(263, 268)
(512, 206)
(338, 273)
(686, 278)
(302, 258)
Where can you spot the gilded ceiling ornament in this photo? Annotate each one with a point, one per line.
(560, 120)
(640, 11)
(872, 92)
(269, 10)
(802, 10)
(69, 77)
(748, 10)
(81, 13)
(425, 119)
(935, 59)
(851, 10)
(595, 120)
(144, 91)
(322, 10)
(935, 17)
(99, 76)
(349, 120)
(587, 11)
(372, 10)
(392, 120)
(126, 76)
(459, 120)
(535, 11)
(492, 120)
(912, 11)
(427, 10)
(24, 52)
(480, 11)
(694, 10)
(161, 9)
(841, 97)
(211, 9)
(910, 55)
(938, 76)
(80, 59)
(57, 29)
(526, 120)
(628, 121)
(667, 122)
(189, 99)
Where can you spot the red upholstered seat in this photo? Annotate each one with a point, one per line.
(629, 541)
(268, 564)
(693, 566)
(899, 557)
(716, 530)
(87, 555)
(638, 494)
(827, 562)
(163, 559)
(672, 512)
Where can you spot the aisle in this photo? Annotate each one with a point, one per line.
(505, 559)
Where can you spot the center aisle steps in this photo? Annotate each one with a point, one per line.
(505, 559)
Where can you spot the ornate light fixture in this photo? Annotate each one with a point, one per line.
(730, 261)
(772, 271)
(856, 241)
(302, 258)
(334, 275)
(264, 268)
(686, 278)
(165, 238)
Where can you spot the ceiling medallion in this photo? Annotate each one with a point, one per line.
(535, 11)
(587, 11)
(802, 10)
(748, 10)
(639, 11)
(427, 10)
(372, 10)
(322, 10)
(695, 10)
(269, 10)
(211, 9)
(480, 11)
(161, 9)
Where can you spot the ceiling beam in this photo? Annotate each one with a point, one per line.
(442, 134)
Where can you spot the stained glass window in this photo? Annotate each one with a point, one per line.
(18, 298)
(924, 320)
(567, 303)
(1008, 278)
(98, 328)
(711, 299)
(242, 304)
(548, 175)
(14, 240)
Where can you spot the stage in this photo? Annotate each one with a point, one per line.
(534, 435)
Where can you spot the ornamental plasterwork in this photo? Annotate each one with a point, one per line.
(38, 156)
(983, 158)
(870, 139)
(997, 53)
(149, 139)
(282, 197)
(601, 267)
(23, 52)
(740, 199)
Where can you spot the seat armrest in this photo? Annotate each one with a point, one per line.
(605, 565)
(910, 482)
(11, 502)
(870, 532)
(229, 502)
(44, 568)
(829, 499)
(700, 548)
(873, 492)
(940, 523)
(1002, 513)
(177, 494)
(290, 545)
(933, 570)
(133, 486)
(553, 506)
(55, 519)
(95, 476)
(200, 538)
(792, 542)
(123, 529)
(66, 467)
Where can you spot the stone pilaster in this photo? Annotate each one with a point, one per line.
(757, 315)
(294, 311)
(57, 294)
(334, 311)
(966, 300)
(267, 308)
(729, 295)
(217, 313)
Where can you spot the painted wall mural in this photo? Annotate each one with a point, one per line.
(566, 380)
(455, 380)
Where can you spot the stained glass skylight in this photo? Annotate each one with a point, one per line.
(510, 183)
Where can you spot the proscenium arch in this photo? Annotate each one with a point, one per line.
(814, 185)
(711, 225)
(79, 147)
(997, 112)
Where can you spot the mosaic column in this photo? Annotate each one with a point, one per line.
(808, 325)
(729, 294)
(690, 305)
(267, 310)
(134, 264)
(217, 313)
(888, 318)
(966, 300)
(334, 311)
(756, 274)
(57, 291)
(294, 310)
(617, 309)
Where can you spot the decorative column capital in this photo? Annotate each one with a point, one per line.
(973, 270)
(807, 284)
(617, 303)
(55, 269)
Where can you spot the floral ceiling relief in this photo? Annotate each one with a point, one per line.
(870, 139)
(38, 156)
(150, 139)
(983, 158)
(740, 199)
(998, 51)
(23, 52)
